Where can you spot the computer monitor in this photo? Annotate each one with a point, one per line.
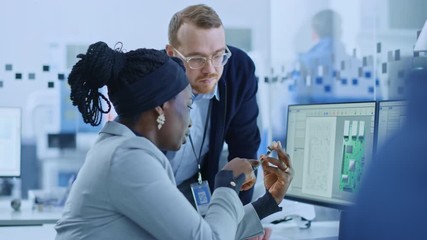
(10, 142)
(391, 115)
(329, 145)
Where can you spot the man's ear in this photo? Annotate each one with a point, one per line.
(169, 50)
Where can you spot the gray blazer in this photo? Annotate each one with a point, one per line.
(126, 190)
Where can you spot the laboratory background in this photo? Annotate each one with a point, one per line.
(362, 57)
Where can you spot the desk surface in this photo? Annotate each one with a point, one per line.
(323, 230)
(282, 231)
(11, 223)
(26, 216)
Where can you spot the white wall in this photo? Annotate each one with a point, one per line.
(35, 32)
(31, 27)
(290, 27)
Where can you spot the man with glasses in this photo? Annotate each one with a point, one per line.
(224, 108)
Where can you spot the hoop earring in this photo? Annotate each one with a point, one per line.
(161, 120)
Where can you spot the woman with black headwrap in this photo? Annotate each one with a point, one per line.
(126, 187)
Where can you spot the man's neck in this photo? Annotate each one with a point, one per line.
(209, 95)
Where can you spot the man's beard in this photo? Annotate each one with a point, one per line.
(202, 88)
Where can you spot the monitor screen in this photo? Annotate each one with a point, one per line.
(10, 142)
(391, 115)
(329, 145)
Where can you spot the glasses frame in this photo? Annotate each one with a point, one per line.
(227, 54)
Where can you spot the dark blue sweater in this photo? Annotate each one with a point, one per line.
(234, 117)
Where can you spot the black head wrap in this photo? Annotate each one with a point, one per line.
(153, 90)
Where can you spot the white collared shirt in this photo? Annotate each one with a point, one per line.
(184, 161)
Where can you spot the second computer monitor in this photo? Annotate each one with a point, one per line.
(391, 116)
(329, 145)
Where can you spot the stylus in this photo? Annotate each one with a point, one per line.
(259, 162)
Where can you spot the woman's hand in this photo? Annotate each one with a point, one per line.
(239, 166)
(278, 173)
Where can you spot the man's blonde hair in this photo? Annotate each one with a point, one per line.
(200, 15)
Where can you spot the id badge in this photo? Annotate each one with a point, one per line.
(202, 196)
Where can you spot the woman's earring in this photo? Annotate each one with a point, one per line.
(161, 120)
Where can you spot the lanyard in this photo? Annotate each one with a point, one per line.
(199, 175)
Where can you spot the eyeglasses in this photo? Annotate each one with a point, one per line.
(197, 62)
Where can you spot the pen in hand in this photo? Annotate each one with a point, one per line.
(259, 162)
